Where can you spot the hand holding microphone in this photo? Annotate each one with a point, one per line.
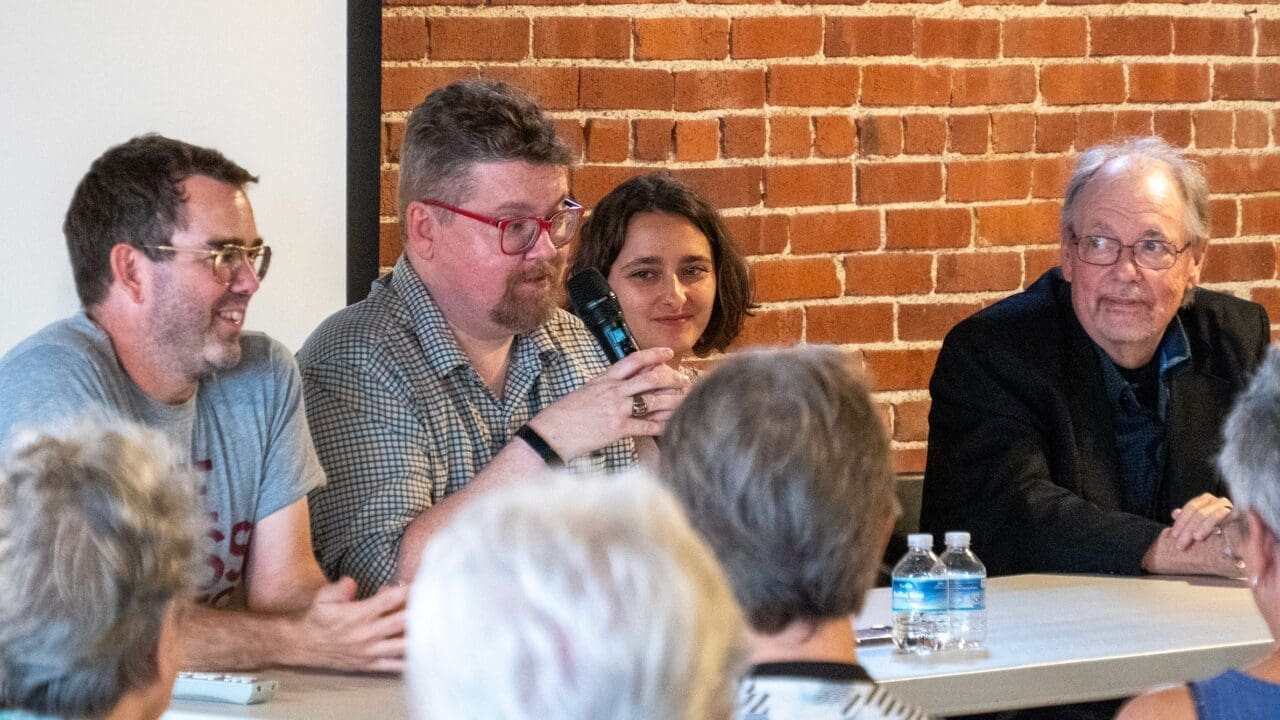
(635, 396)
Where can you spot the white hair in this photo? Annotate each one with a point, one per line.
(1150, 150)
(1250, 457)
(567, 599)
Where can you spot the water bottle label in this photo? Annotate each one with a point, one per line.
(919, 594)
(969, 593)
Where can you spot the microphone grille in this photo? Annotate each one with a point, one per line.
(586, 286)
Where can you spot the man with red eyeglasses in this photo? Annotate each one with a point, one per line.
(166, 257)
(1074, 426)
(460, 372)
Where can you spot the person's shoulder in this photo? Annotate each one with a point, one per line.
(1014, 320)
(811, 692)
(63, 345)
(892, 707)
(66, 369)
(1172, 703)
(351, 335)
(1224, 310)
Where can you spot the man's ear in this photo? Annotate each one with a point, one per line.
(1197, 252)
(421, 230)
(1065, 247)
(126, 270)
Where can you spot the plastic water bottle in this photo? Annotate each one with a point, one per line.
(967, 578)
(921, 623)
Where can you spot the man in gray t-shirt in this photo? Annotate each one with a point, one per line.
(166, 257)
(248, 438)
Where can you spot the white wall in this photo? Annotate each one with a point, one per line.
(262, 80)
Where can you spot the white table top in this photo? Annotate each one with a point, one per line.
(1074, 638)
(1051, 639)
(310, 696)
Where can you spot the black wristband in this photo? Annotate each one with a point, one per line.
(540, 446)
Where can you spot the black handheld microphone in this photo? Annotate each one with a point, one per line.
(595, 303)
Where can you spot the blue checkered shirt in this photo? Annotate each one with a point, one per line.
(1140, 441)
(401, 419)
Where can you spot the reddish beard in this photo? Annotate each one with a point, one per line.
(520, 313)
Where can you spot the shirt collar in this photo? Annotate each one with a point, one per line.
(1174, 352)
(1175, 348)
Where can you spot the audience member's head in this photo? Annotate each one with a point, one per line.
(1250, 464)
(97, 548)
(670, 260)
(783, 466)
(572, 599)
(134, 194)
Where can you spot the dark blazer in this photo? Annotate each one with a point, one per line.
(1021, 446)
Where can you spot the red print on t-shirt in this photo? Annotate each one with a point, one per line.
(230, 550)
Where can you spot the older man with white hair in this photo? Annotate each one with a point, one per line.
(572, 599)
(1074, 425)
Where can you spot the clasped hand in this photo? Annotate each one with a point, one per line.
(1199, 519)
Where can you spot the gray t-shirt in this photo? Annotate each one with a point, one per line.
(245, 427)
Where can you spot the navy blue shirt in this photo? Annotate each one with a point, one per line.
(1139, 427)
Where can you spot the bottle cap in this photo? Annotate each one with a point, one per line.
(957, 538)
(917, 541)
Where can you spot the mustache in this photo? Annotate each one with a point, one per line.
(541, 270)
(1128, 292)
(231, 301)
(1132, 296)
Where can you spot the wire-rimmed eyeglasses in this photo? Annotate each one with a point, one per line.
(517, 234)
(228, 260)
(1149, 253)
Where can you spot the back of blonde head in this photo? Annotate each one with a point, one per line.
(570, 599)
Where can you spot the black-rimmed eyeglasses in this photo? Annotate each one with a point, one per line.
(517, 234)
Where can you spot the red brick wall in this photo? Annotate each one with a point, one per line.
(890, 166)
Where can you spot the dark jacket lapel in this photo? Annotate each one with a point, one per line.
(1198, 403)
(1097, 469)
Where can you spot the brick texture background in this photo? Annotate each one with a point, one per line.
(889, 167)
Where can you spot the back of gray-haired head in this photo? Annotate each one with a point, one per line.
(97, 538)
(782, 464)
(572, 599)
(466, 123)
(1143, 151)
(1250, 457)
